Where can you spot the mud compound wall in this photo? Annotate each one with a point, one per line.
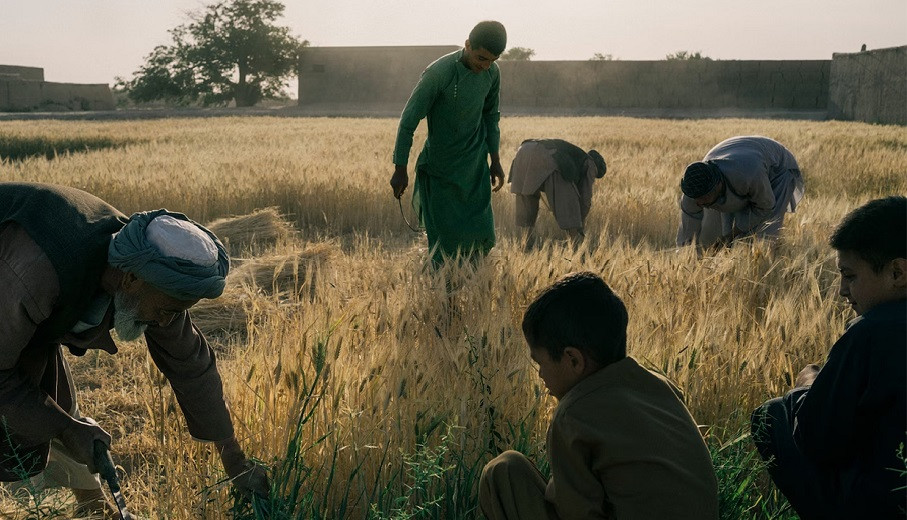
(693, 84)
(869, 86)
(363, 75)
(385, 76)
(20, 95)
(17, 72)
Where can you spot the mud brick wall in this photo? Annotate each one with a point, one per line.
(795, 85)
(363, 74)
(17, 72)
(869, 86)
(29, 95)
(387, 75)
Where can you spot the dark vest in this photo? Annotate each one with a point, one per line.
(74, 229)
(570, 159)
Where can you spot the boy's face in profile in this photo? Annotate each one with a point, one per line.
(561, 375)
(864, 288)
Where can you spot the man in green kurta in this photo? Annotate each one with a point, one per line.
(459, 94)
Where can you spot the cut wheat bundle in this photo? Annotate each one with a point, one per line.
(253, 233)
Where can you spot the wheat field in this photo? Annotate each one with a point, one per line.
(377, 387)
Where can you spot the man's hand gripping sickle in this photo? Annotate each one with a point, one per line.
(399, 180)
(79, 439)
(497, 173)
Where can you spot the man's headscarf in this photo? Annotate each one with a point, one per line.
(699, 179)
(599, 163)
(171, 252)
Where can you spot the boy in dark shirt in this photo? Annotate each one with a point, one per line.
(835, 443)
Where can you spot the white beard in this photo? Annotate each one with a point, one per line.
(125, 318)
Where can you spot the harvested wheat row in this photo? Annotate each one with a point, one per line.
(284, 271)
(263, 285)
(224, 316)
(256, 232)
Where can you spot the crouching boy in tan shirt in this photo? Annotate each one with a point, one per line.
(621, 443)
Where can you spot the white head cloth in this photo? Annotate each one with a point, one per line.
(181, 239)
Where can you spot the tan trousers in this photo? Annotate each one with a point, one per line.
(512, 488)
(564, 199)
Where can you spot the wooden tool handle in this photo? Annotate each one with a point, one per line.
(104, 464)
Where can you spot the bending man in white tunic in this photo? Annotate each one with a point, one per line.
(742, 187)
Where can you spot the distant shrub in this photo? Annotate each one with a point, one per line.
(518, 54)
(687, 55)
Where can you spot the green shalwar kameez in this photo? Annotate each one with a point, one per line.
(452, 191)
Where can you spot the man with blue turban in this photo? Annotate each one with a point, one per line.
(72, 268)
(742, 187)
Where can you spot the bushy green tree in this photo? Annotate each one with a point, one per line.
(231, 50)
(518, 54)
(164, 76)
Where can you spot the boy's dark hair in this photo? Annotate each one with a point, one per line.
(876, 231)
(489, 35)
(579, 311)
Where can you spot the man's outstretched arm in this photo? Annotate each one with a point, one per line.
(183, 355)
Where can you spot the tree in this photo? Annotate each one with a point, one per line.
(518, 54)
(687, 55)
(163, 76)
(232, 50)
(601, 57)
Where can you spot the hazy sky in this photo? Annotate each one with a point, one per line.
(92, 41)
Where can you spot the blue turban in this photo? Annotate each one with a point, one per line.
(148, 255)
